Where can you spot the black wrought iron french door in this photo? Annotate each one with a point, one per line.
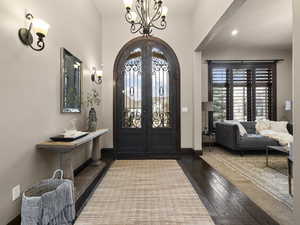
(147, 116)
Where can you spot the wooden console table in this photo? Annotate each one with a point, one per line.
(66, 149)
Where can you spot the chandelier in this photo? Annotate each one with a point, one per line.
(148, 15)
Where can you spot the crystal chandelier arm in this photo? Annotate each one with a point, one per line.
(139, 10)
(163, 25)
(157, 10)
(134, 29)
(148, 10)
(156, 5)
(128, 17)
(156, 15)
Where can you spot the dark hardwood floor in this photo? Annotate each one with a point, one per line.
(225, 203)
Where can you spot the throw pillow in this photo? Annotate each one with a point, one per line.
(279, 126)
(263, 125)
(241, 127)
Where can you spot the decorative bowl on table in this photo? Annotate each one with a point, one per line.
(69, 136)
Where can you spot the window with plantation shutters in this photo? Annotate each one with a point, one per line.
(244, 91)
(219, 93)
(240, 80)
(263, 92)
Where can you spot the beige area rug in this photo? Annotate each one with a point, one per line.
(145, 192)
(267, 187)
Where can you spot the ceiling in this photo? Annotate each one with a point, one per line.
(116, 7)
(261, 24)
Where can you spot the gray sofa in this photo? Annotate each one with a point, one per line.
(228, 136)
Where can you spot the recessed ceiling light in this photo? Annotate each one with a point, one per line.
(234, 32)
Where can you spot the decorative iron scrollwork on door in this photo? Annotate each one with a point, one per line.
(132, 119)
(132, 103)
(161, 120)
(160, 91)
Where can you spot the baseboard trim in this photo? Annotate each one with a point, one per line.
(15, 221)
(108, 152)
(82, 167)
(198, 153)
(147, 156)
(187, 151)
(183, 151)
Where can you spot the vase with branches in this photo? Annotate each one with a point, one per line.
(93, 99)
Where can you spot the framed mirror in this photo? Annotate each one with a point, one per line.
(71, 74)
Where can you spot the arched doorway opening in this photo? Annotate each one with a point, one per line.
(146, 99)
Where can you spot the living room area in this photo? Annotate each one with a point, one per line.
(247, 104)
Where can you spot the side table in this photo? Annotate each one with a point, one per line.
(209, 139)
(289, 162)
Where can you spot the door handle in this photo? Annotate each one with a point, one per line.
(131, 91)
(161, 91)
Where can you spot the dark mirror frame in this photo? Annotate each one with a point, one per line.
(63, 53)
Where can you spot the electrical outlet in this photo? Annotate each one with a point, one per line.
(16, 192)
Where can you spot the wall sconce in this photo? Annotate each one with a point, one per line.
(40, 28)
(97, 75)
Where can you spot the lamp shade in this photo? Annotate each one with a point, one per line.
(207, 106)
(210, 107)
(164, 11)
(99, 73)
(128, 3)
(40, 26)
(133, 16)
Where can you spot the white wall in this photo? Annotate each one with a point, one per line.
(30, 88)
(206, 15)
(178, 35)
(284, 70)
(296, 94)
(197, 89)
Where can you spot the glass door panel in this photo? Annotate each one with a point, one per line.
(132, 102)
(160, 90)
